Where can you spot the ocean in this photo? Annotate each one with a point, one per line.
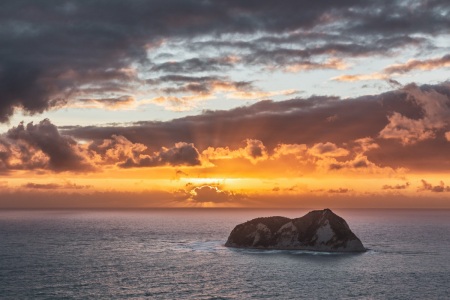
(179, 254)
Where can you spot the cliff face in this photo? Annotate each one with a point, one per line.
(319, 230)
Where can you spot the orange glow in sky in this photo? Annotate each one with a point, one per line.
(235, 105)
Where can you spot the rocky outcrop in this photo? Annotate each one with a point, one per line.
(319, 230)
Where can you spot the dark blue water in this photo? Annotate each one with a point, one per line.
(178, 254)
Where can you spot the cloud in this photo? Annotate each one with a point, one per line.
(392, 130)
(210, 86)
(182, 103)
(433, 188)
(45, 186)
(122, 102)
(447, 136)
(54, 186)
(181, 93)
(436, 113)
(254, 151)
(361, 77)
(116, 149)
(328, 157)
(398, 69)
(317, 51)
(45, 62)
(338, 191)
(194, 65)
(424, 65)
(396, 187)
(182, 154)
(335, 64)
(297, 150)
(26, 198)
(393, 83)
(126, 154)
(187, 92)
(354, 159)
(180, 173)
(327, 150)
(41, 145)
(319, 158)
(260, 94)
(373, 134)
(401, 17)
(50, 198)
(174, 78)
(209, 194)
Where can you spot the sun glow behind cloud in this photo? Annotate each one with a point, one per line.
(248, 170)
(225, 104)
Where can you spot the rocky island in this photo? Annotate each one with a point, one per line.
(318, 230)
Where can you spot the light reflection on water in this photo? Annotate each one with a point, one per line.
(179, 254)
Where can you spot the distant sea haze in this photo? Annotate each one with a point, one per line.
(179, 254)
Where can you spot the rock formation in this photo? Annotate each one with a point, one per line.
(319, 230)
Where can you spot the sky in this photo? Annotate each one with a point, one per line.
(188, 103)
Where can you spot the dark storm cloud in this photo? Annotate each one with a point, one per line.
(41, 146)
(421, 114)
(291, 121)
(55, 51)
(396, 129)
(352, 47)
(401, 17)
(309, 49)
(317, 43)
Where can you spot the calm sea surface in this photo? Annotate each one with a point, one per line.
(179, 254)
